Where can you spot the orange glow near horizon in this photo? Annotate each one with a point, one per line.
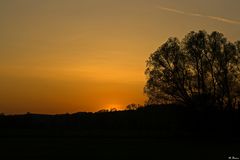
(70, 56)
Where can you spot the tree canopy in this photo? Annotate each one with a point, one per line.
(200, 70)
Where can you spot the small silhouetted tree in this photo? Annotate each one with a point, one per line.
(201, 70)
(133, 106)
(113, 110)
(103, 111)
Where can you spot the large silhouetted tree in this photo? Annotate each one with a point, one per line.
(202, 70)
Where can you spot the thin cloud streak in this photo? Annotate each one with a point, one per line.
(171, 10)
(224, 20)
(220, 19)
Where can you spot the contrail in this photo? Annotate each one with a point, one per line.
(221, 19)
(224, 20)
(171, 10)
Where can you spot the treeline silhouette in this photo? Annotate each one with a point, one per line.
(167, 120)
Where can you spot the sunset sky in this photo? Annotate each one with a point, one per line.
(59, 56)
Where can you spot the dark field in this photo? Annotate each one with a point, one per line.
(169, 132)
(49, 144)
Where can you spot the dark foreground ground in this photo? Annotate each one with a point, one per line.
(57, 144)
(158, 133)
